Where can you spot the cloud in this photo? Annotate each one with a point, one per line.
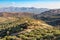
(48, 5)
(40, 5)
(13, 3)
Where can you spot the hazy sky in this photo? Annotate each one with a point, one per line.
(31, 3)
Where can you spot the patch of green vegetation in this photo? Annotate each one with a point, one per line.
(41, 30)
(40, 34)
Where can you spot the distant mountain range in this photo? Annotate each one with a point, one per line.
(23, 9)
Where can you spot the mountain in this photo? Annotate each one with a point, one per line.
(20, 24)
(23, 9)
(52, 17)
(26, 28)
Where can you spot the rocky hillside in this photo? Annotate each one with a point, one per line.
(23, 22)
(52, 17)
(26, 28)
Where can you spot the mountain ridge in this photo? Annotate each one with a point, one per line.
(23, 9)
(52, 17)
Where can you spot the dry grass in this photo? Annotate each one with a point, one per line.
(5, 19)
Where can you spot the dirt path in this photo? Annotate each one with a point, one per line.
(25, 30)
